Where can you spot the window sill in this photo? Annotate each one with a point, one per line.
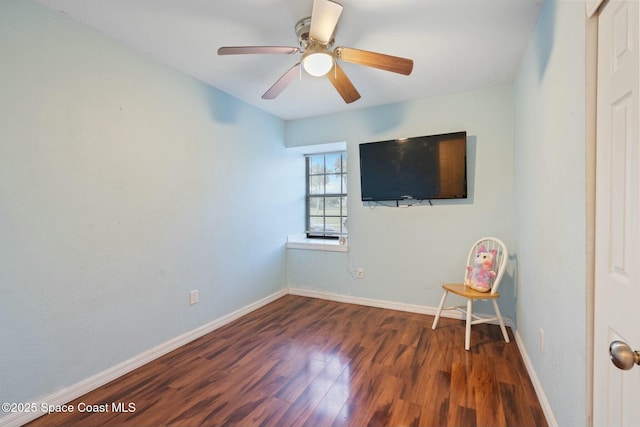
(300, 241)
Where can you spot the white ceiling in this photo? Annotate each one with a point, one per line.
(456, 45)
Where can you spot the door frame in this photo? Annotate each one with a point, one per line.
(593, 10)
(591, 82)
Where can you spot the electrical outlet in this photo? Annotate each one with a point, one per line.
(193, 296)
(360, 273)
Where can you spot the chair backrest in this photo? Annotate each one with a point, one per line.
(499, 261)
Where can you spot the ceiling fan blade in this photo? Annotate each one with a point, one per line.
(241, 50)
(342, 84)
(394, 64)
(282, 82)
(324, 18)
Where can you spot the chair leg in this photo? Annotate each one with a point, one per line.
(435, 321)
(504, 329)
(467, 333)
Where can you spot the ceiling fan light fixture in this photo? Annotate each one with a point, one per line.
(317, 61)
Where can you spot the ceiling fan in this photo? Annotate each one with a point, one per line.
(315, 38)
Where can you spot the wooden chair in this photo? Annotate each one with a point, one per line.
(462, 289)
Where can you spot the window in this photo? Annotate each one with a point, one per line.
(326, 195)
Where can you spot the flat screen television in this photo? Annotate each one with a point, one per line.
(419, 168)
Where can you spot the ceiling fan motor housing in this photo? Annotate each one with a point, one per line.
(302, 32)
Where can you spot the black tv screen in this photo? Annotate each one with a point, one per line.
(419, 168)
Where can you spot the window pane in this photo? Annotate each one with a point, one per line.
(343, 163)
(343, 201)
(332, 205)
(316, 184)
(316, 164)
(333, 225)
(334, 184)
(316, 206)
(316, 223)
(334, 163)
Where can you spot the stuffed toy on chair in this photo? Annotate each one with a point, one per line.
(479, 274)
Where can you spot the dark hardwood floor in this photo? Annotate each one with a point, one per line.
(308, 362)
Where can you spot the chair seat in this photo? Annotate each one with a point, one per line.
(467, 292)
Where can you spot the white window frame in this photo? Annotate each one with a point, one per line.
(319, 196)
(300, 241)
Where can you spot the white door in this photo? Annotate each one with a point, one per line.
(616, 400)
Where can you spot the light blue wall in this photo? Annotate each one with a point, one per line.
(550, 206)
(123, 185)
(407, 253)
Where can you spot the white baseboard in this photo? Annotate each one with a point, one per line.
(390, 305)
(85, 386)
(542, 397)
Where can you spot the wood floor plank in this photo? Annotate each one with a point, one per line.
(351, 415)
(267, 414)
(435, 400)
(384, 401)
(332, 403)
(301, 380)
(487, 392)
(463, 416)
(308, 362)
(404, 413)
(461, 390)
